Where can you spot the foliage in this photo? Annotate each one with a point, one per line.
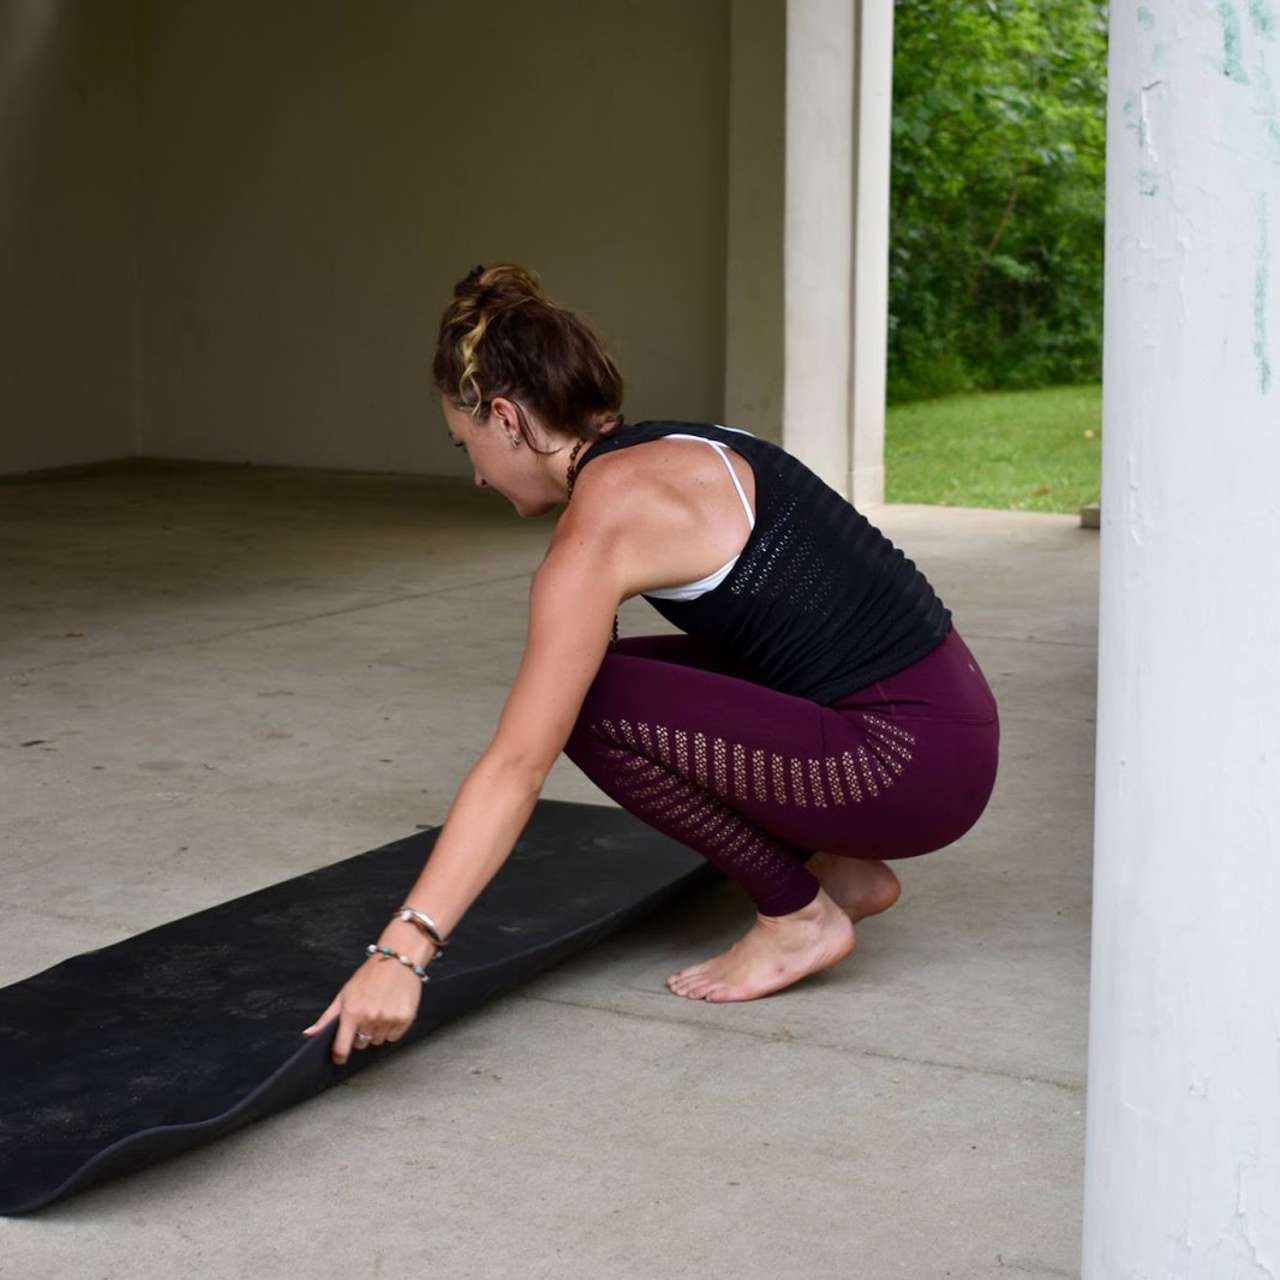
(995, 261)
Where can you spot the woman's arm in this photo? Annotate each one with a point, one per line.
(571, 607)
(572, 600)
(484, 822)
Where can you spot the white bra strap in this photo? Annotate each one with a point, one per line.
(719, 446)
(733, 475)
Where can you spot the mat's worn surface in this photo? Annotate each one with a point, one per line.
(118, 1057)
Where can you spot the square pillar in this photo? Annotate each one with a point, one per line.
(807, 251)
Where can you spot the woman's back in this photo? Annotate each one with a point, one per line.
(818, 602)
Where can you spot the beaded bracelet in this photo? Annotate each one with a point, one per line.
(373, 949)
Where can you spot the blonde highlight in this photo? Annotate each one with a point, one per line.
(502, 335)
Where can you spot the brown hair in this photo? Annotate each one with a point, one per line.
(501, 335)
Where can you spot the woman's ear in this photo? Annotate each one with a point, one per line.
(504, 416)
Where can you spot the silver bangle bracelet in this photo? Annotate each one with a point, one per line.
(424, 922)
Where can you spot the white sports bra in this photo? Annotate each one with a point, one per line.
(692, 590)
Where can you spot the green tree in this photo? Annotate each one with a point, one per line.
(995, 262)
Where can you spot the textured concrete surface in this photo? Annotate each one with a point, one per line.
(215, 678)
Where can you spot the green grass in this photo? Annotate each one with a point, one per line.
(1011, 450)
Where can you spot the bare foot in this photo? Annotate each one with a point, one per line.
(774, 953)
(860, 886)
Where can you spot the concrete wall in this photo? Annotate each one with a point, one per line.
(309, 183)
(68, 162)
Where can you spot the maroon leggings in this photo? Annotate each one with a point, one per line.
(756, 781)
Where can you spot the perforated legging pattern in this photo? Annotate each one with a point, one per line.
(677, 795)
(756, 773)
(753, 779)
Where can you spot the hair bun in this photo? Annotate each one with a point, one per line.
(503, 336)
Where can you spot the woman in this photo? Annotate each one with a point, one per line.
(818, 716)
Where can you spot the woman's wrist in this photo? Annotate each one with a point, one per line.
(401, 936)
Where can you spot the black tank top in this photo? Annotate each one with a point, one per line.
(820, 603)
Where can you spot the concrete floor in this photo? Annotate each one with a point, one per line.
(215, 678)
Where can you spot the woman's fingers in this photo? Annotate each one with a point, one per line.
(324, 1018)
(348, 1025)
(366, 1006)
(351, 1022)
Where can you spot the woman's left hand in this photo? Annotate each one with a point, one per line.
(380, 999)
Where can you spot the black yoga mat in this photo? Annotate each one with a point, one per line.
(118, 1057)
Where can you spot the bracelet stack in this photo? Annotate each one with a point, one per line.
(373, 949)
(425, 925)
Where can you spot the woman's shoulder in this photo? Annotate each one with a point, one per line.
(665, 510)
(615, 483)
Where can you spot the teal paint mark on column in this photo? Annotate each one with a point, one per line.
(1157, 55)
(1232, 65)
(1262, 17)
(1148, 182)
(1146, 19)
(1262, 270)
(1264, 105)
(1136, 127)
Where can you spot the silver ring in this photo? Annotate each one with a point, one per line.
(360, 1035)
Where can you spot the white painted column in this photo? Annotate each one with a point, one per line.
(1182, 1169)
(808, 232)
(754, 367)
(818, 236)
(873, 121)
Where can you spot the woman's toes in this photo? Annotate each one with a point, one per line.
(688, 984)
(680, 982)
